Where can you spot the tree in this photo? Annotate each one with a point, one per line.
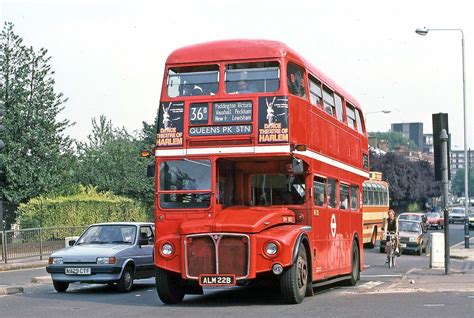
(457, 182)
(110, 160)
(409, 181)
(37, 154)
(395, 139)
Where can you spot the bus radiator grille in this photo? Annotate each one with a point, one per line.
(233, 255)
(201, 256)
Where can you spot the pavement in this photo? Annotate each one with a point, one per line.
(460, 278)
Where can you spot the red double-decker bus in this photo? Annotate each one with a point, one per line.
(260, 161)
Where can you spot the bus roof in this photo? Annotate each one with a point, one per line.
(244, 49)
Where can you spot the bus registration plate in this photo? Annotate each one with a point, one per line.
(216, 280)
(78, 271)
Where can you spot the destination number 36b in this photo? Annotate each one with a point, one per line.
(198, 114)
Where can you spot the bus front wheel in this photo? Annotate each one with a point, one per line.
(294, 279)
(169, 287)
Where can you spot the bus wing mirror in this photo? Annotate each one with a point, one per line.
(297, 166)
(150, 170)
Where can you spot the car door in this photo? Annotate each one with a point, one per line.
(144, 262)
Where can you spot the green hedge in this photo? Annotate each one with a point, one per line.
(83, 208)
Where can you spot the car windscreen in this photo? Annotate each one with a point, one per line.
(193, 80)
(433, 215)
(108, 234)
(185, 183)
(409, 226)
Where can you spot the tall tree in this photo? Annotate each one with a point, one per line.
(110, 160)
(37, 153)
(409, 181)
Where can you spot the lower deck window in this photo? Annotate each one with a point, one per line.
(278, 189)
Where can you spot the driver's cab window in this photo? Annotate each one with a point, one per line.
(295, 79)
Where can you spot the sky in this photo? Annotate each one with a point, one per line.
(109, 55)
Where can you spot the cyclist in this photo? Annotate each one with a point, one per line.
(391, 226)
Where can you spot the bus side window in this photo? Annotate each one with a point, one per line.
(296, 84)
(366, 195)
(351, 116)
(319, 191)
(328, 98)
(344, 200)
(331, 193)
(339, 111)
(315, 93)
(354, 198)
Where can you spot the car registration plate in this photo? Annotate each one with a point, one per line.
(216, 280)
(78, 271)
(403, 245)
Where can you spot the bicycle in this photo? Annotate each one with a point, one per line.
(391, 245)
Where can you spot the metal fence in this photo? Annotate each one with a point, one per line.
(36, 242)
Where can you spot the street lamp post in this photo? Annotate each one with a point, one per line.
(424, 31)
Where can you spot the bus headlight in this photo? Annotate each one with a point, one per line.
(271, 249)
(166, 249)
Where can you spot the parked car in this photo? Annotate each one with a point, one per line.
(412, 237)
(435, 220)
(413, 216)
(111, 253)
(457, 215)
(471, 221)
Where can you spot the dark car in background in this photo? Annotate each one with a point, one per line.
(106, 253)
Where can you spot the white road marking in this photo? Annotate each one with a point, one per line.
(433, 305)
(370, 285)
(387, 275)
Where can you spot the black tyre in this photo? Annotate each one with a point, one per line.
(169, 287)
(60, 287)
(382, 249)
(355, 262)
(373, 239)
(125, 283)
(294, 280)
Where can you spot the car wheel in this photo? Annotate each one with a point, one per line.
(169, 287)
(125, 283)
(60, 287)
(294, 279)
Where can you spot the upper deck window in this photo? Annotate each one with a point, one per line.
(329, 104)
(351, 115)
(296, 80)
(315, 93)
(359, 122)
(244, 78)
(339, 113)
(193, 80)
